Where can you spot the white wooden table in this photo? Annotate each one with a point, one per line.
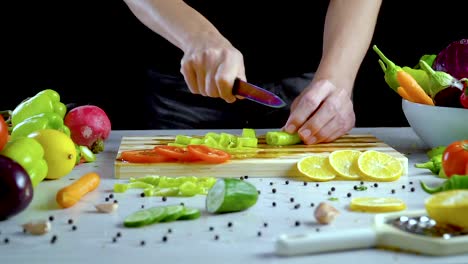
(192, 241)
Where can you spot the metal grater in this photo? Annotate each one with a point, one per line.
(423, 225)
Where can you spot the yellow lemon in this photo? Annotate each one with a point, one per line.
(449, 207)
(316, 167)
(377, 204)
(59, 151)
(344, 162)
(379, 166)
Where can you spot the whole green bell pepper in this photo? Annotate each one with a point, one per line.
(29, 153)
(43, 102)
(48, 120)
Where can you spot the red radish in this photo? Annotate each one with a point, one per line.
(89, 126)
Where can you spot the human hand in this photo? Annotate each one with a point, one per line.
(321, 113)
(210, 67)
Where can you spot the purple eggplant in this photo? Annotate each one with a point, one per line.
(16, 190)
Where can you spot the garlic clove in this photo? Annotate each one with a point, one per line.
(37, 227)
(325, 213)
(107, 207)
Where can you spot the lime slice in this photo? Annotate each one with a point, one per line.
(344, 162)
(377, 204)
(316, 167)
(449, 207)
(230, 195)
(379, 166)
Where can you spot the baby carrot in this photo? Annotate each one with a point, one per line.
(413, 89)
(71, 194)
(402, 92)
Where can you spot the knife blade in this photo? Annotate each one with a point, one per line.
(257, 94)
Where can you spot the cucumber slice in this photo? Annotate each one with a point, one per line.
(230, 195)
(157, 213)
(138, 218)
(190, 214)
(173, 212)
(87, 154)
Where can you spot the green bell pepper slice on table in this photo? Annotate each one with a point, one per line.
(47, 120)
(29, 153)
(43, 102)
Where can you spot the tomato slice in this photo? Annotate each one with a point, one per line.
(144, 156)
(174, 152)
(207, 154)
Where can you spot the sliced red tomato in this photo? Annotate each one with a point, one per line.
(144, 156)
(174, 152)
(207, 154)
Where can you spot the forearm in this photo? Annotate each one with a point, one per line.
(174, 20)
(349, 27)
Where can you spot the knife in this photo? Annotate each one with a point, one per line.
(256, 94)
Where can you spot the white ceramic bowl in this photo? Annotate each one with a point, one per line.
(436, 125)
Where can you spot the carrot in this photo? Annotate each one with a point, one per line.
(402, 92)
(71, 194)
(413, 89)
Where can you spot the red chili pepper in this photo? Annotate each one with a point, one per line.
(464, 95)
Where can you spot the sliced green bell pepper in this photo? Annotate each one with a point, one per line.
(43, 102)
(29, 153)
(46, 120)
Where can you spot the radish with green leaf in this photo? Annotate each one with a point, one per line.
(89, 126)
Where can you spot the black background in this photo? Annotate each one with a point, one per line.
(91, 53)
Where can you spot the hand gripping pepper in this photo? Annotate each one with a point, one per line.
(43, 102)
(29, 153)
(48, 120)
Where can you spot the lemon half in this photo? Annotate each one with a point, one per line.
(449, 207)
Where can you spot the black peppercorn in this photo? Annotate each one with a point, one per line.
(142, 194)
(376, 185)
(164, 198)
(291, 199)
(211, 228)
(393, 190)
(164, 238)
(111, 195)
(246, 177)
(312, 204)
(51, 218)
(403, 186)
(273, 190)
(169, 230)
(329, 192)
(273, 203)
(142, 206)
(297, 223)
(54, 239)
(74, 227)
(107, 199)
(216, 237)
(297, 206)
(305, 183)
(119, 234)
(142, 242)
(114, 239)
(316, 185)
(286, 182)
(271, 183)
(6, 240)
(348, 194)
(229, 224)
(70, 221)
(259, 233)
(333, 189)
(412, 189)
(265, 224)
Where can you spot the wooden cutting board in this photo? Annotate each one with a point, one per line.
(269, 161)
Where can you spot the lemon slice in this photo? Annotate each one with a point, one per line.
(379, 166)
(344, 162)
(449, 207)
(316, 167)
(377, 204)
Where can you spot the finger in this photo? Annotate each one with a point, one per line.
(211, 86)
(189, 77)
(225, 77)
(324, 133)
(201, 77)
(307, 105)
